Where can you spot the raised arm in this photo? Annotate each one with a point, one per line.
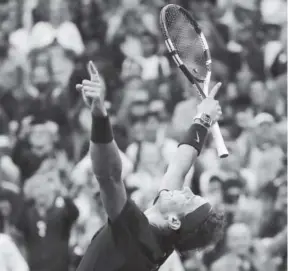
(208, 112)
(106, 161)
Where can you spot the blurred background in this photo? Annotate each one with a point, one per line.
(49, 200)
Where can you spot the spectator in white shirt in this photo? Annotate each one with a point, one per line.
(10, 256)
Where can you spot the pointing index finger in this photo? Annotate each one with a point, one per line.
(94, 76)
(214, 90)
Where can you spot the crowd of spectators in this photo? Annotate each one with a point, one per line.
(49, 200)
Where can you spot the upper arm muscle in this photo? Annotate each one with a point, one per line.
(114, 198)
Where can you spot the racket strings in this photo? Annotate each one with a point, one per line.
(187, 42)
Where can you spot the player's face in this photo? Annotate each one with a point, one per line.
(179, 202)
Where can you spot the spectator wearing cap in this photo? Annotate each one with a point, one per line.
(266, 157)
(45, 223)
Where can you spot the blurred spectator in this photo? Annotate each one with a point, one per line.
(193, 261)
(46, 222)
(10, 257)
(266, 157)
(10, 203)
(11, 75)
(213, 191)
(238, 256)
(150, 155)
(36, 151)
(183, 116)
(9, 172)
(152, 66)
(89, 18)
(273, 212)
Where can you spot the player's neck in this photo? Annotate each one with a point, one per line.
(156, 219)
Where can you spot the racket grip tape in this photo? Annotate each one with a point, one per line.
(219, 141)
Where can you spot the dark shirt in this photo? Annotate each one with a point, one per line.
(14, 200)
(48, 109)
(47, 238)
(27, 162)
(279, 65)
(127, 243)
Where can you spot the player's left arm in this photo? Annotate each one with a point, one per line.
(192, 143)
(106, 161)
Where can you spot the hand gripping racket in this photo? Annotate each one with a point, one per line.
(189, 49)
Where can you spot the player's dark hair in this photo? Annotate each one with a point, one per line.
(209, 232)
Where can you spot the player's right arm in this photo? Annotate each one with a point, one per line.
(191, 145)
(106, 161)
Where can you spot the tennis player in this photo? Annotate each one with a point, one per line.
(178, 220)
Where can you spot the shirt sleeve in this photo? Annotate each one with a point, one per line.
(71, 211)
(132, 236)
(131, 220)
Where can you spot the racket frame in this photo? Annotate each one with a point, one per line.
(203, 93)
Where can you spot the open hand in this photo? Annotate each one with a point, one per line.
(93, 92)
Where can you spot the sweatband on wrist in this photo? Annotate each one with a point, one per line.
(195, 137)
(200, 121)
(101, 131)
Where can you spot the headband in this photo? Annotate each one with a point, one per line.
(192, 220)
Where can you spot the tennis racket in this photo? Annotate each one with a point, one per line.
(189, 49)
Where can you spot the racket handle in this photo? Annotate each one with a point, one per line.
(219, 141)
